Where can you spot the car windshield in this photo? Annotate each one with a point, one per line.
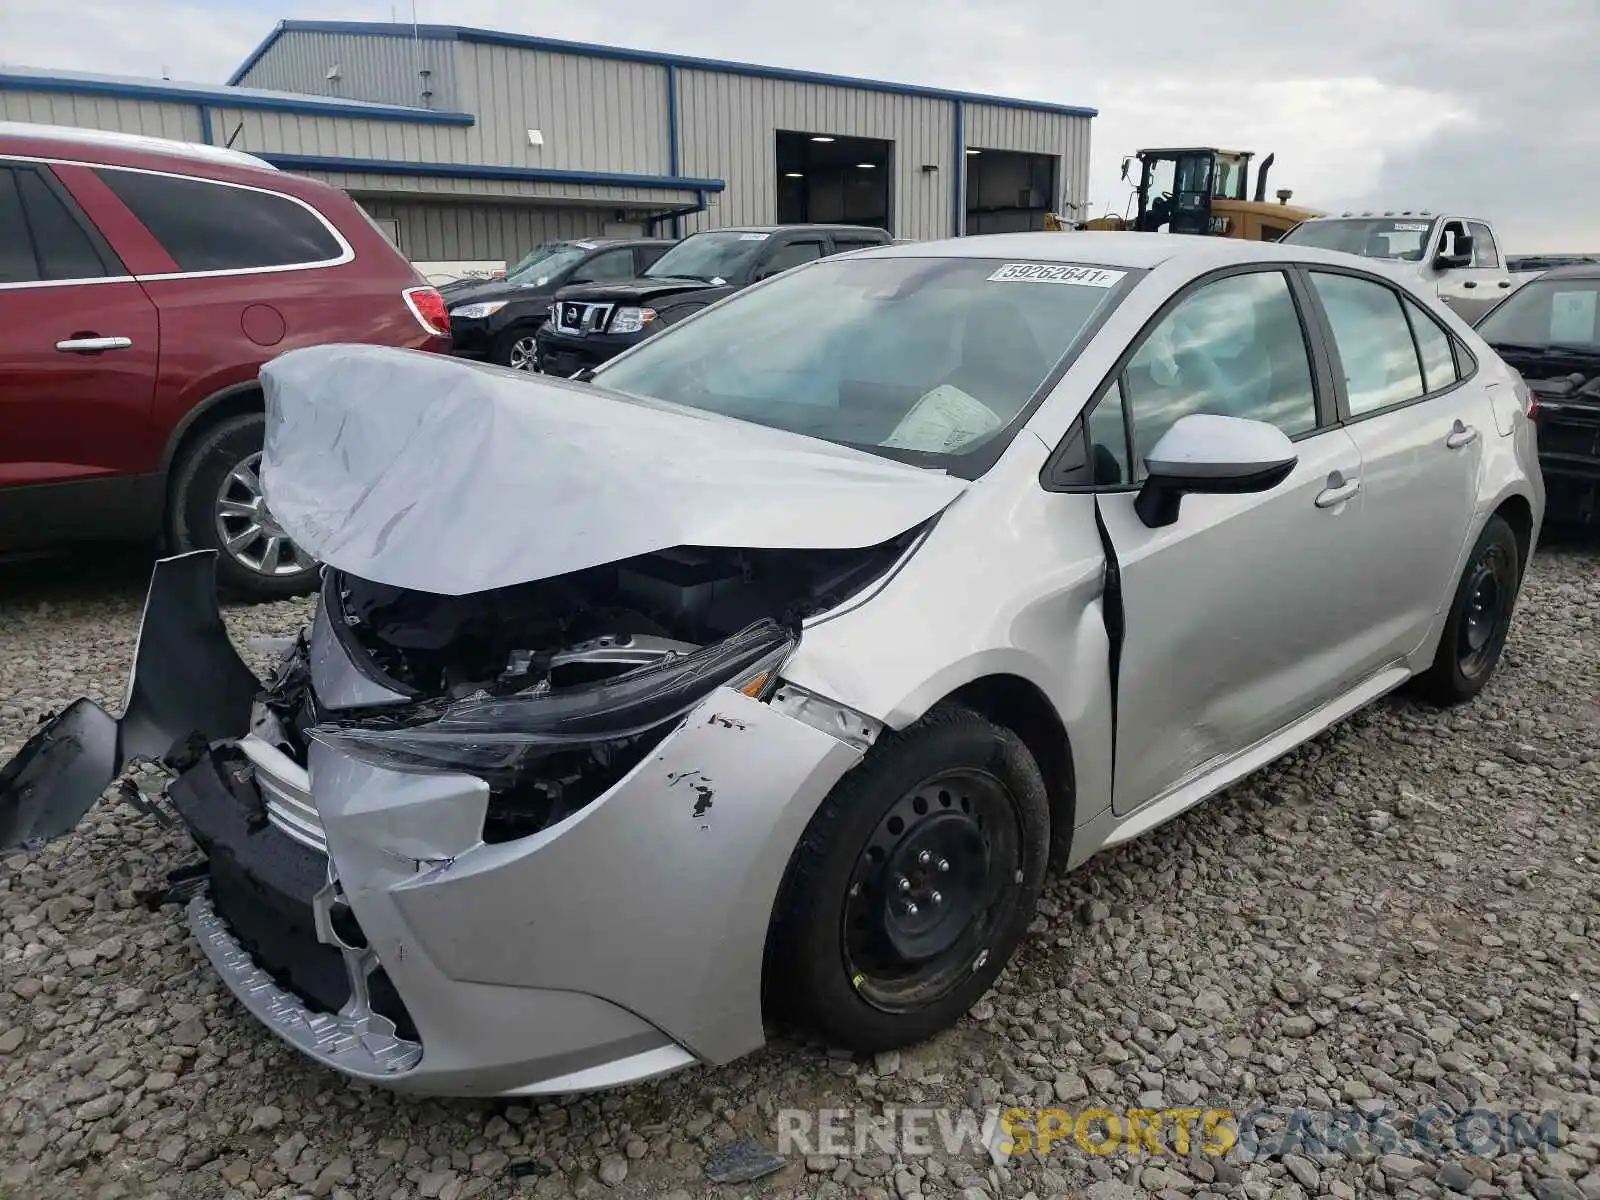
(1547, 312)
(545, 262)
(1395, 238)
(710, 257)
(928, 360)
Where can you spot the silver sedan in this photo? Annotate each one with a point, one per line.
(764, 675)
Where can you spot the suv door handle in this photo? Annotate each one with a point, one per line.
(1461, 435)
(1339, 490)
(90, 344)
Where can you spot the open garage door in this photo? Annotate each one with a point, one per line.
(1008, 191)
(829, 178)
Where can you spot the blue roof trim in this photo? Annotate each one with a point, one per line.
(221, 96)
(490, 37)
(386, 166)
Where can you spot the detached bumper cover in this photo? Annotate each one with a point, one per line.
(187, 682)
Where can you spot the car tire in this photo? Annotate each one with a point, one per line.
(1479, 618)
(208, 498)
(516, 347)
(844, 957)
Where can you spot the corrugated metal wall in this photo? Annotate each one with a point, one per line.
(384, 70)
(591, 195)
(456, 232)
(991, 127)
(151, 118)
(259, 131)
(595, 114)
(728, 128)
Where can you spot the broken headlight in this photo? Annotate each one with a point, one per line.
(503, 738)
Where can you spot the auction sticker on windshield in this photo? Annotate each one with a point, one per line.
(1411, 227)
(1056, 273)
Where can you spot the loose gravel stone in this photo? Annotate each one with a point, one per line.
(1394, 918)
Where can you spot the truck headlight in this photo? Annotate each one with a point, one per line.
(631, 320)
(476, 312)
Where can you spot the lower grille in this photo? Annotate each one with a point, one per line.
(286, 792)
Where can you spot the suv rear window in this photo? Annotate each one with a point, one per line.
(208, 226)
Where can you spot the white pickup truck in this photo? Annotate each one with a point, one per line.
(1458, 256)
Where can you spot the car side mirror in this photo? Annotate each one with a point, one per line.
(1211, 455)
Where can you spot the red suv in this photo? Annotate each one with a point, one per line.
(142, 284)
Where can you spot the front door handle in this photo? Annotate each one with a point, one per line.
(1461, 435)
(1504, 283)
(1339, 490)
(1469, 283)
(90, 344)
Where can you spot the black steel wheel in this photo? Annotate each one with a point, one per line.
(1479, 618)
(912, 885)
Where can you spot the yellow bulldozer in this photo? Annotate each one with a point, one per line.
(1200, 190)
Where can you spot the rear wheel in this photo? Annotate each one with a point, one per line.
(912, 885)
(1479, 619)
(216, 503)
(517, 348)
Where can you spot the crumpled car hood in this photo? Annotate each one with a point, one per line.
(430, 473)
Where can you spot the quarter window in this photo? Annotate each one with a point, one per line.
(1379, 359)
(1433, 346)
(213, 227)
(1233, 348)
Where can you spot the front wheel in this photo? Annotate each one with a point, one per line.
(1479, 618)
(216, 503)
(912, 885)
(517, 347)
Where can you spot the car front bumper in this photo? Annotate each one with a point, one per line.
(564, 355)
(358, 913)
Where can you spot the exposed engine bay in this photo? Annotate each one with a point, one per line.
(553, 690)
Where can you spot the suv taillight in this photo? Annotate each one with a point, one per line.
(427, 305)
(1530, 402)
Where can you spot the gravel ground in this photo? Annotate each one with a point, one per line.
(1403, 914)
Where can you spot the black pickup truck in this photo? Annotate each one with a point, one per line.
(591, 323)
(1549, 331)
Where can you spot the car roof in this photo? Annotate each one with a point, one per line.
(821, 226)
(1127, 251)
(1571, 271)
(70, 140)
(614, 241)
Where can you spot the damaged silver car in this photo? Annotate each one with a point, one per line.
(759, 679)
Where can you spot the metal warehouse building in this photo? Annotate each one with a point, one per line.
(470, 144)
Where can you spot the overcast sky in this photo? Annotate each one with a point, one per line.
(1458, 104)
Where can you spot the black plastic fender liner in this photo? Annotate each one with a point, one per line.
(187, 680)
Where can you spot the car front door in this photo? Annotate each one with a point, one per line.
(1470, 289)
(609, 266)
(1420, 430)
(78, 355)
(1236, 619)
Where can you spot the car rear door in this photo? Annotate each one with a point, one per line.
(1420, 428)
(78, 357)
(1235, 620)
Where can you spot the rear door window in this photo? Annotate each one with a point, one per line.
(208, 226)
(17, 261)
(1376, 352)
(63, 246)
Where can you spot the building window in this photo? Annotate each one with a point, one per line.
(832, 178)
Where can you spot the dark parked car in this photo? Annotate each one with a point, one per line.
(1549, 330)
(143, 283)
(496, 320)
(591, 323)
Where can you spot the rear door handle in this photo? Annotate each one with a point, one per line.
(1339, 490)
(1504, 283)
(1469, 283)
(93, 345)
(1461, 435)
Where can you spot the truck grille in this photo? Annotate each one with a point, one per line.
(578, 318)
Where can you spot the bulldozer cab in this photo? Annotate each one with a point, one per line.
(1176, 188)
